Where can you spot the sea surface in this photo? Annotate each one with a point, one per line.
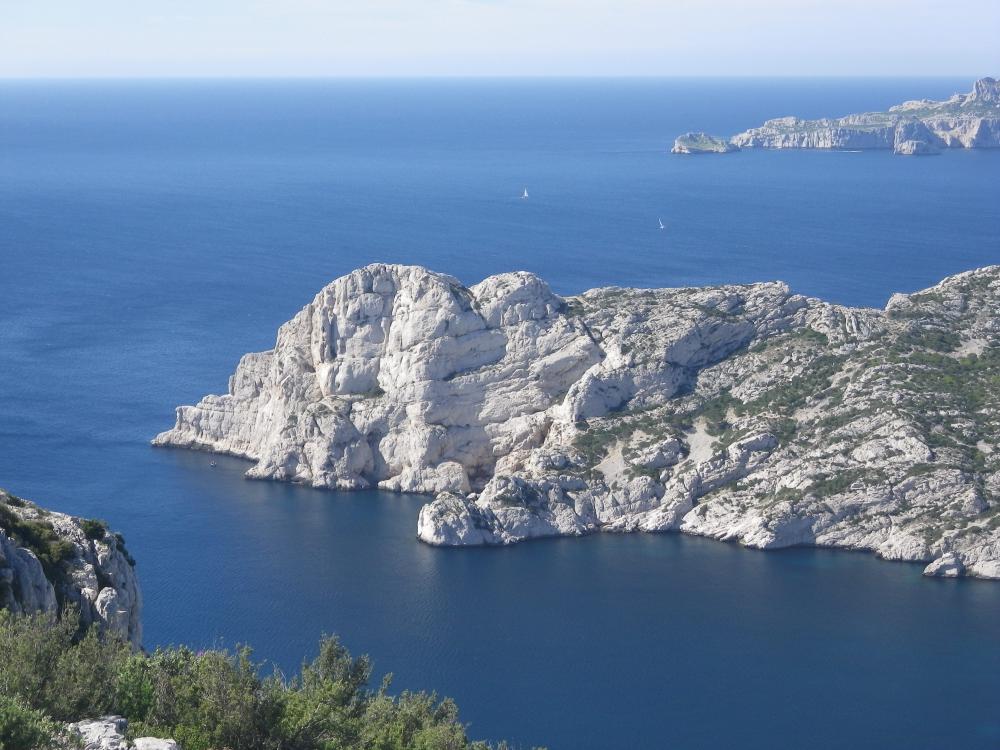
(151, 233)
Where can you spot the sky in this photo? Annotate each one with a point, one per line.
(253, 38)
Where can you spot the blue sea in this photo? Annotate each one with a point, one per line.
(151, 233)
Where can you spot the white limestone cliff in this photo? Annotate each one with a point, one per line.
(52, 560)
(744, 413)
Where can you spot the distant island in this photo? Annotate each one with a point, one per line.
(919, 127)
(739, 412)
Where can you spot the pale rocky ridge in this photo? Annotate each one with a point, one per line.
(77, 563)
(918, 127)
(741, 412)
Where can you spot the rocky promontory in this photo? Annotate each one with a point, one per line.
(701, 143)
(740, 412)
(917, 127)
(51, 560)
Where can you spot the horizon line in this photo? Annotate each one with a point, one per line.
(486, 77)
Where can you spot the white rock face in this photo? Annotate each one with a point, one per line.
(743, 413)
(400, 378)
(108, 733)
(96, 575)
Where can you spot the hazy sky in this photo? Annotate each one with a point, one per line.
(498, 37)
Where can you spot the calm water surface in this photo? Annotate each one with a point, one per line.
(152, 233)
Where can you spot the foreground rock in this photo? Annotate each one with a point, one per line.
(49, 560)
(701, 143)
(919, 127)
(108, 733)
(744, 413)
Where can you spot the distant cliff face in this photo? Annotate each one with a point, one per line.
(917, 127)
(739, 412)
(49, 560)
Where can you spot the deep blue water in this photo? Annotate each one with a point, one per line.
(152, 233)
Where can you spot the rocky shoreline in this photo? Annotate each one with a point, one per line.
(921, 127)
(743, 412)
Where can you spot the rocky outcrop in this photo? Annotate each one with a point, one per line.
(916, 148)
(108, 733)
(913, 128)
(744, 413)
(51, 560)
(701, 143)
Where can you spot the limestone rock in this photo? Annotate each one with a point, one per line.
(915, 148)
(743, 412)
(76, 562)
(949, 565)
(108, 733)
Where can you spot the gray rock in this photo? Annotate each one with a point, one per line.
(916, 148)
(108, 733)
(949, 565)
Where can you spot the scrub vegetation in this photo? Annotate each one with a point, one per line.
(52, 672)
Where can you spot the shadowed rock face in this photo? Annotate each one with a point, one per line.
(49, 560)
(738, 412)
(913, 128)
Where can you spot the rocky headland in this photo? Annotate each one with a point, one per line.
(919, 127)
(701, 143)
(49, 561)
(740, 412)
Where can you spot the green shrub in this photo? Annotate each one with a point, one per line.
(39, 537)
(94, 529)
(23, 728)
(52, 672)
(14, 500)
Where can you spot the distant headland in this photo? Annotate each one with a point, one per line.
(919, 127)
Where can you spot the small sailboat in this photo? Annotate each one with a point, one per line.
(662, 225)
(524, 195)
